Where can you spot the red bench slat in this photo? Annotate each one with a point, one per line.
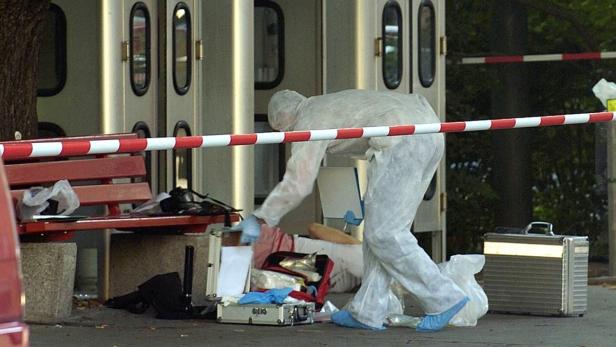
(125, 222)
(74, 170)
(106, 194)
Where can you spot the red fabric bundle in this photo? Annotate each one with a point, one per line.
(324, 267)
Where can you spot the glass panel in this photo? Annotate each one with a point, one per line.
(431, 191)
(427, 43)
(182, 163)
(392, 45)
(411, 69)
(181, 48)
(52, 56)
(140, 48)
(267, 167)
(268, 34)
(143, 131)
(50, 130)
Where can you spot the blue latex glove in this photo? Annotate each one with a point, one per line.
(349, 218)
(251, 229)
(272, 296)
(436, 322)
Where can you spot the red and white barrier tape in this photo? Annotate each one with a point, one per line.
(12, 151)
(503, 59)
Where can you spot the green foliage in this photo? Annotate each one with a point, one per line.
(567, 162)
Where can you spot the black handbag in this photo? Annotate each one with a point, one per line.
(182, 201)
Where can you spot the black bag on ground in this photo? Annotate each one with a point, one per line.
(167, 295)
(163, 293)
(133, 302)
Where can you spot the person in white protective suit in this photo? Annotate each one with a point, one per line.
(399, 173)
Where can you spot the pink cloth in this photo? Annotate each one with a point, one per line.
(271, 240)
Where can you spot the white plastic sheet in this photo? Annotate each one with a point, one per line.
(462, 269)
(36, 199)
(604, 91)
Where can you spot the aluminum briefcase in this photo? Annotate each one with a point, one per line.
(266, 314)
(536, 274)
(213, 263)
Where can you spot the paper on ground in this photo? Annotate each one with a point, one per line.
(234, 266)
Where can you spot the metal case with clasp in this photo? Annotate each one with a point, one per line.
(530, 273)
(266, 314)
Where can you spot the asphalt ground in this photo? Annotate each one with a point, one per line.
(99, 326)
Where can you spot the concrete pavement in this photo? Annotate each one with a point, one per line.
(106, 327)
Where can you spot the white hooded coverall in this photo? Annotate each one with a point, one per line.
(399, 173)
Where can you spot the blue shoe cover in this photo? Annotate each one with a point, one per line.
(343, 318)
(436, 322)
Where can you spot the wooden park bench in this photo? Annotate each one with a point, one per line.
(114, 182)
(108, 180)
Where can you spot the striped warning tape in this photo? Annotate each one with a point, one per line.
(503, 59)
(24, 149)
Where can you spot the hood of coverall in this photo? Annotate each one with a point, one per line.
(283, 109)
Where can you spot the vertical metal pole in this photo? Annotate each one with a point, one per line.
(242, 100)
(611, 189)
(111, 86)
(188, 276)
(161, 113)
